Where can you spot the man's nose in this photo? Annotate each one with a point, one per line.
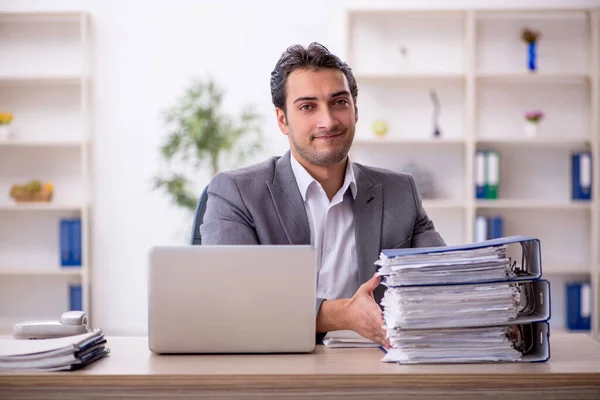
(326, 119)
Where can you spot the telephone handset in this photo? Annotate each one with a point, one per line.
(71, 323)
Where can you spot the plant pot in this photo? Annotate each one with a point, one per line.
(5, 133)
(531, 129)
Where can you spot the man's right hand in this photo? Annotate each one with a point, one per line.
(360, 314)
(364, 316)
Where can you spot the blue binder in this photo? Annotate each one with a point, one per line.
(581, 176)
(75, 298)
(526, 249)
(496, 225)
(578, 313)
(66, 257)
(70, 242)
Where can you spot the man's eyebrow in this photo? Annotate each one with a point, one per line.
(336, 94)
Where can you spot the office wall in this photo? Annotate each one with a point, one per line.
(144, 54)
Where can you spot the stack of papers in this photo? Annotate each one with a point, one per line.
(477, 265)
(339, 339)
(416, 307)
(468, 303)
(454, 345)
(65, 353)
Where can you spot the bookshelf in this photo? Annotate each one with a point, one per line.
(45, 83)
(477, 64)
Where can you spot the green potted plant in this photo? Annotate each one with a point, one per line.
(201, 135)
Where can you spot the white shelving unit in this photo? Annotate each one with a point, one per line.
(477, 64)
(44, 82)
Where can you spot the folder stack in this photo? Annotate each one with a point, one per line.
(57, 354)
(480, 302)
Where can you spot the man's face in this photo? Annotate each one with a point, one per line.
(321, 116)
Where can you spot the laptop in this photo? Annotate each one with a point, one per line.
(232, 299)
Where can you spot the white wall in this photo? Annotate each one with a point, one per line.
(144, 54)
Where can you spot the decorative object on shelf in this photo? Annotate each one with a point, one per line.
(201, 134)
(380, 128)
(531, 37)
(436, 113)
(32, 191)
(5, 120)
(532, 121)
(423, 179)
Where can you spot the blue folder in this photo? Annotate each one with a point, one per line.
(526, 251)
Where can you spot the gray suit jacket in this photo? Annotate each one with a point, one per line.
(261, 204)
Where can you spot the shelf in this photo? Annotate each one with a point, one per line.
(406, 141)
(564, 269)
(535, 77)
(387, 77)
(40, 143)
(535, 142)
(39, 271)
(48, 79)
(533, 204)
(430, 204)
(40, 206)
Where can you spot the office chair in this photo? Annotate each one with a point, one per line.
(199, 217)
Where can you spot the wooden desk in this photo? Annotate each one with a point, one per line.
(133, 371)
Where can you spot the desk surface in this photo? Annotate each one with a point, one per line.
(573, 370)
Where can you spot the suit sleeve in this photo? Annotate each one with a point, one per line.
(226, 220)
(424, 233)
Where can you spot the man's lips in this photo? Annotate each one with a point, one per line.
(328, 136)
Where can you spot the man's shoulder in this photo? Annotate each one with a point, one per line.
(382, 175)
(260, 170)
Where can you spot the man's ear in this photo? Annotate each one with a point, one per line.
(355, 111)
(281, 121)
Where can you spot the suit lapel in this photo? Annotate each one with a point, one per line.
(288, 202)
(368, 212)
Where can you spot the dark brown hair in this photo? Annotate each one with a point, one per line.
(316, 57)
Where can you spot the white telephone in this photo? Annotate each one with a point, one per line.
(71, 323)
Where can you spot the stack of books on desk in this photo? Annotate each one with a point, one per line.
(481, 302)
(57, 354)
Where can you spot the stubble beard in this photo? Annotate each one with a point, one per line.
(321, 157)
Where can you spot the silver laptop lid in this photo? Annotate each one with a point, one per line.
(232, 299)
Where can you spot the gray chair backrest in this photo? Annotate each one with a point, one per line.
(199, 217)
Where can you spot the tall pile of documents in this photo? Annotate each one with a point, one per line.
(480, 302)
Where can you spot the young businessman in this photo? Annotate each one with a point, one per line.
(314, 195)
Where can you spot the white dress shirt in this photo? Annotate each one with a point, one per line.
(331, 232)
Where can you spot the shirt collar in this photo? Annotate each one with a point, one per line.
(304, 179)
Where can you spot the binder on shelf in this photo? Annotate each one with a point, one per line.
(480, 173)
(481, 228)
(511, 258)
(66, 258)
(496, 228)
(492, 174)
(581, 175)
(70, 242)
(487, 228)
(578, 305)
(75, 297)
(76, 241)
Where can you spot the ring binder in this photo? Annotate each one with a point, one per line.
(478, 302)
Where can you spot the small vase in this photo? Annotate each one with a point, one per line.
(532, 57)
(531, 129)
(4, 132)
